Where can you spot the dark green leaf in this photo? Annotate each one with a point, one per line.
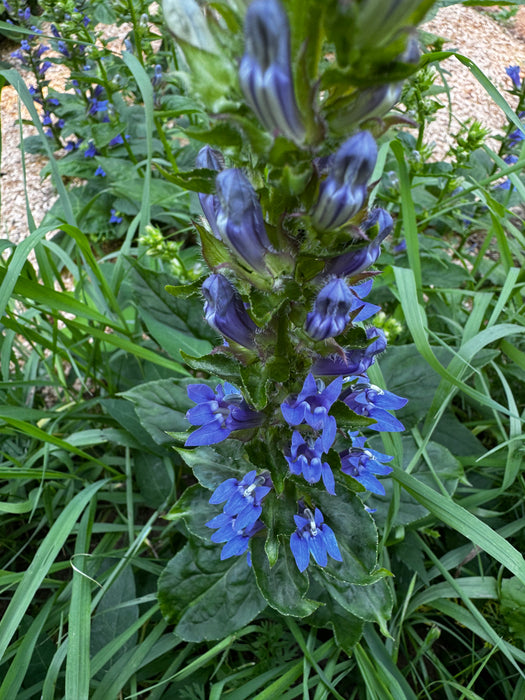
(161, 406)
(205, 597)
(213, 465)
(283, 586)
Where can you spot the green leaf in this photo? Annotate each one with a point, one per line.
(161, 406)
(154, 477)
(371, 603)
(347, 627)
(255, 385)
(207, 598)
(115, 614)
(347, 419)
(216, 363)
(512, 601)
(439, 467)
(282, 585)
(194, 508)
(213, 465)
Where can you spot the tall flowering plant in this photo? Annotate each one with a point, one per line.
(280, 444)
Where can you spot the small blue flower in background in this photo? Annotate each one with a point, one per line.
(331, 312)
(25, 46)
(363, 464)
(240, 219)
(219, 413)
(306, 458)
(44, 66)
(312, 404)
(507, 184)
(100, 171)
(115, 218)
(212, 159)
(514, 74)
(359, 258)
(369, 400)
(313, 536)
(90, 151)
(356, 361)
(224, 310)
(343, 192)
(157, 75)
(265, 72)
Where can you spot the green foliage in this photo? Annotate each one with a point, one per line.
(110, 584)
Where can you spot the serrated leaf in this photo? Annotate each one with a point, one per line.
(254, 384)
(371, 603)
(207, 598)
(213, 465)
(161, 406)
(195, 509)
(347, 419)
(283, 585)
(219, 364)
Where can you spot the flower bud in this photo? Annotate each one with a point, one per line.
(240, 219)
(209, 158)
(331, 311)
(359, 258)
(342, 193)
(265, 72)
(224, 310)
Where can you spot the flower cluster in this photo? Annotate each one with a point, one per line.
(297, 315)
(240, 515)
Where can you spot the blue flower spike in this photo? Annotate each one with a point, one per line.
(219, 413)
(343, 192)
(363, 464)
(224, 310)
(313, 536)
(265, 72)
(240, 219)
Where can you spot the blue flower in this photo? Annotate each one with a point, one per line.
(25, 46)
(62, 48)
(116, 140)
(343, 192)
(371, 401)
(100, 171)
(363, 464)
(357, 259)
(312, 404)
(265, 72)
(514, 74)
(361, 310)
(209, 158)
(240, 219)
(157, 76)
(44, 66)
(115, 218)
(236, 539)
(90, 151)
(243, 498)
(313, 536)
(306, 458)
(219, 413)
(331, 312)
(356, 361)
(224, 310)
